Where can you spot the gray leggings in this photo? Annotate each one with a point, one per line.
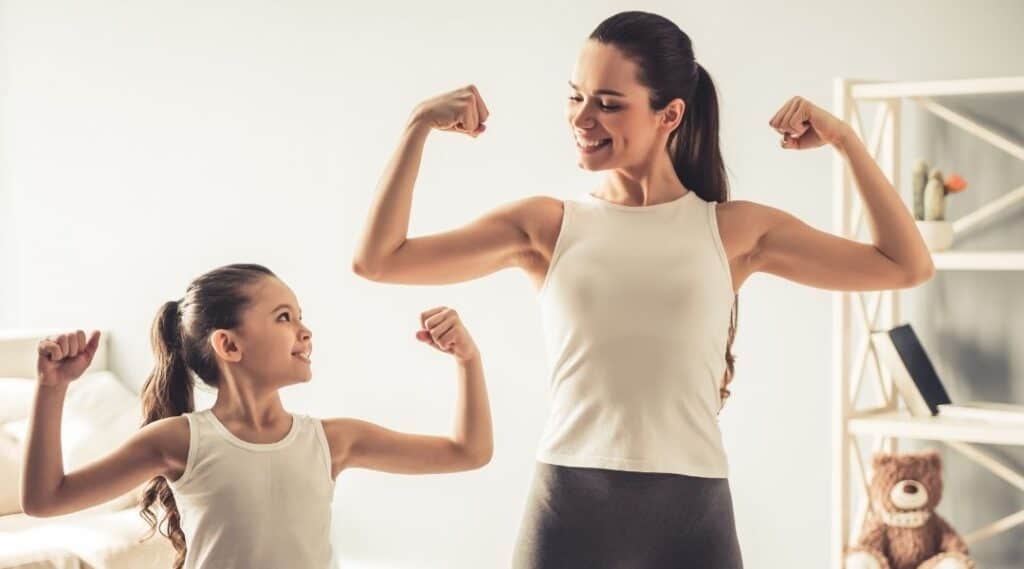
(592, 518)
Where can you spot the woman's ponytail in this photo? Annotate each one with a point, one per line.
(696, 155)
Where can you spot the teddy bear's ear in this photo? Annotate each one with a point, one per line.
(934, 460)
(881, 459)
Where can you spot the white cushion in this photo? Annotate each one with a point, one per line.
(10, 474)
(108, 540)
(16, 395)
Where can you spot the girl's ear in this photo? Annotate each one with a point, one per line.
(226, 346)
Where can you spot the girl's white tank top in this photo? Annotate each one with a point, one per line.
(254, 505)
(635, 308)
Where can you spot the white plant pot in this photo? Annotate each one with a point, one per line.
(937, 235)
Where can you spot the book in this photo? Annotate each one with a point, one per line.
(919, 384)
(913, 374)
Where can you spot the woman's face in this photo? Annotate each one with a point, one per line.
(275, 343)
(610, 114)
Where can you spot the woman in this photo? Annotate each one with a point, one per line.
(638, 285)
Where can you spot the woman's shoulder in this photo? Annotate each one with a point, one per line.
(529, 208)
(741, 223)
(743, 215)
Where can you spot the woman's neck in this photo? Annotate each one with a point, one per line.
(647, 184)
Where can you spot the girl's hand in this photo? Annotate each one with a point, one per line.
(63, 358)
(461, 110)
(443, 330)
(804, 125)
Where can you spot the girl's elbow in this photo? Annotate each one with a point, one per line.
(37, 508)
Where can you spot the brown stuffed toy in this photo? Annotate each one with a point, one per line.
(902, 530)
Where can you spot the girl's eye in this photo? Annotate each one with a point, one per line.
(285, 314)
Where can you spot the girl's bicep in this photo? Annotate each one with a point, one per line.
(154, 450)
(361, 444)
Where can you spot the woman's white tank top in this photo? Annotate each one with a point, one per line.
(636, 307)
(254, 505)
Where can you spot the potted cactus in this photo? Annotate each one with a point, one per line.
(930, 191)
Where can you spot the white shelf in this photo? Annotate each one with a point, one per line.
(979, 260)
(902, 424)
(901, 89)
(850, 364)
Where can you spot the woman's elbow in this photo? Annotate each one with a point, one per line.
(366, 269)
(477, 458)
(920, 274)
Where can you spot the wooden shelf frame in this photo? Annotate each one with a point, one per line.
(856, 315)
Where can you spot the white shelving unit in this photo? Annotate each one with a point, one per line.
(855, 315)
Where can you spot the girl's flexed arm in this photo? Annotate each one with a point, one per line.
(46, 489)
(361, 444)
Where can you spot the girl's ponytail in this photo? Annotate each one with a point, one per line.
(168, 393)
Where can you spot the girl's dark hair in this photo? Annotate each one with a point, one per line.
(664, 57)
(180, 336)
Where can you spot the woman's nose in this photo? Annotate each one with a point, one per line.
(582, 120)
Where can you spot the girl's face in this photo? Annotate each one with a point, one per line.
(610, 114)
(275, 344)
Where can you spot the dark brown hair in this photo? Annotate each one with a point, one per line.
(180, 336)
(663, 53)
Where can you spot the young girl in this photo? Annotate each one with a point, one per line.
(637, 283)
(245, 483)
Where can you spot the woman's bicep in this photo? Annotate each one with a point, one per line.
(496, 240)
(794, 250)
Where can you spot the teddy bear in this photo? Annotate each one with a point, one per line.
(902, 529)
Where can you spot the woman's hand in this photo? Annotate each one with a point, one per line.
(462, 110)
(804, 125)
(443, 329)
(65, 357)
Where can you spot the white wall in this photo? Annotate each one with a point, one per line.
(8, 267)
(145, 143)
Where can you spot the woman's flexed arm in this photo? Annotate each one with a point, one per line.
(497, 240)
(792, 249)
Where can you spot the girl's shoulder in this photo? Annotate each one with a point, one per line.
(169, 438)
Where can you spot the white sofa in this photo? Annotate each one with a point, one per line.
(100, 412)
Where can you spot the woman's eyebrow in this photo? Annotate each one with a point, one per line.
(599, 91)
